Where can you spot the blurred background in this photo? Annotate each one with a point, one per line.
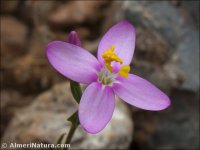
(36, 100)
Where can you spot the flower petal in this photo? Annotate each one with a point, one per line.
(96, 107)
(122, 36)
(73, 61)
(141, 93)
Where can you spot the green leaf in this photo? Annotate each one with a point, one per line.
(76, 90)
(74, 119)
(75, 122)
(60, 140)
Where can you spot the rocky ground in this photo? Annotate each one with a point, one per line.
(36, 100)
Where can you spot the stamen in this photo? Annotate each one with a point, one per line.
(124, 70)
(109, 56)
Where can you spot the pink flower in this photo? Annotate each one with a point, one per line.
(106, 76)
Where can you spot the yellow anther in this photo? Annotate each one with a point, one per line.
(109, 56)
(124, 71)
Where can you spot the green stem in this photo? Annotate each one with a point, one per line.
(71, 133)
(74, 124)
(77, 93)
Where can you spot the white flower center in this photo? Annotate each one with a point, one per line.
(106, 77)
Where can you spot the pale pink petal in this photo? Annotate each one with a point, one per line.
(122, 36)
(96, 107)
(141, 93)
(73, 61)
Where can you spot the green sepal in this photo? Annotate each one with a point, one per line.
(76, 90)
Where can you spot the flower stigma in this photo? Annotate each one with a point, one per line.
(106, 77)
